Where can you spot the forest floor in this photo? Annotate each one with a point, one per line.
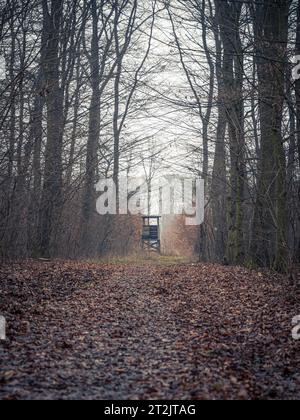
(147, 331)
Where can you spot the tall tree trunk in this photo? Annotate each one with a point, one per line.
(76, 108)
(269, 241)
(297, 82)
(116, 116)
(206, 118)
(229, 20)
(52, 188)
(35, 143)
(293, 234)
(219, 182)
(12, 124)
(297, 91)
(94, 132)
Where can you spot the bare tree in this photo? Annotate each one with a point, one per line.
(269, 242)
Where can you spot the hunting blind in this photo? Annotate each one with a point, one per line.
(151, 234)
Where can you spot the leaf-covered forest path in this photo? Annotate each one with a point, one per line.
(88, 331)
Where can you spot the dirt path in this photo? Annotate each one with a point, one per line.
(188, 332)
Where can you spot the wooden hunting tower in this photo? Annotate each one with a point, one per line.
(151, 233)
